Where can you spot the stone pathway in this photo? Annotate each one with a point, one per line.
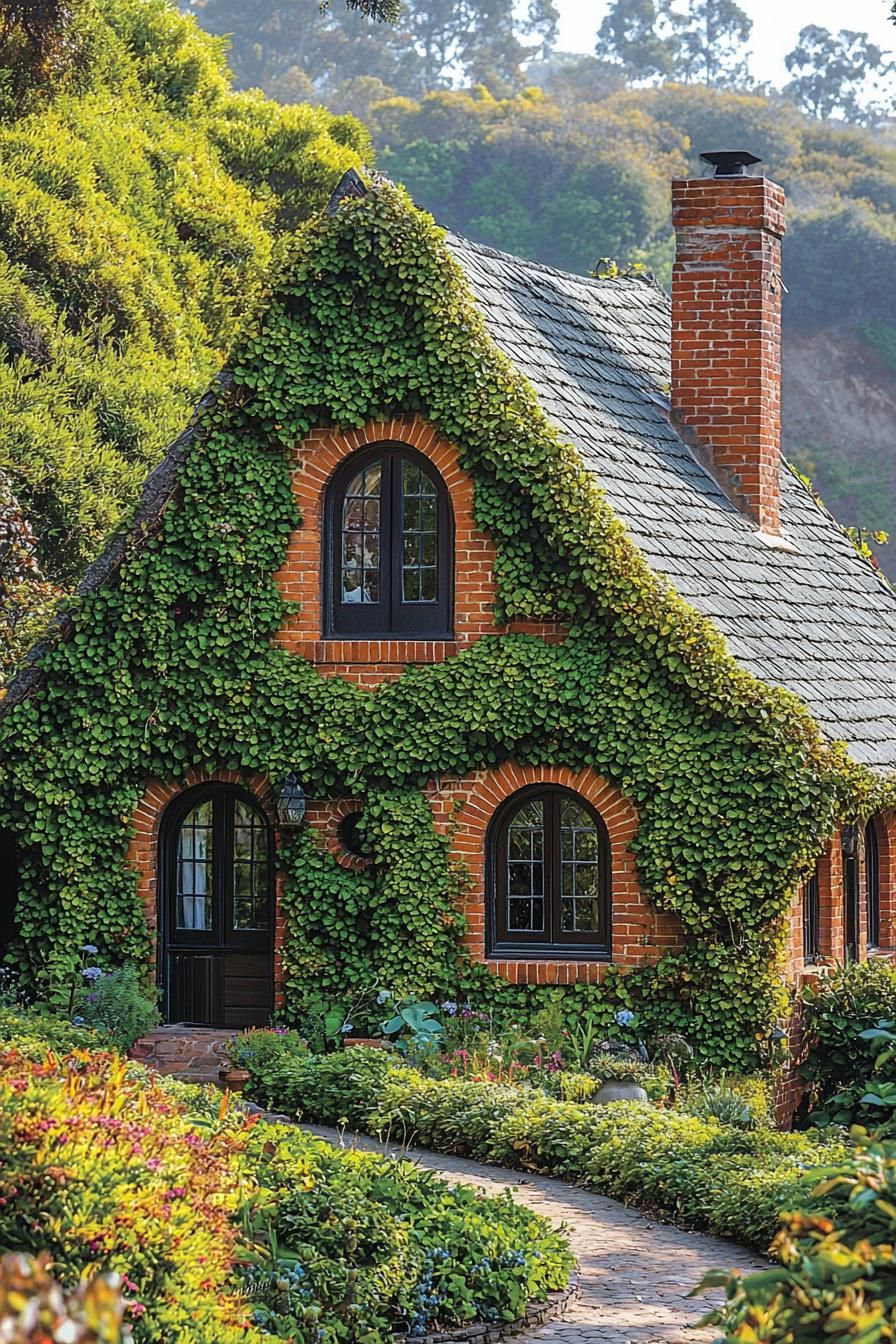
(635, 1273)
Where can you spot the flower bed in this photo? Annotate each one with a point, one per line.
(226, 1228)
(698, 1172)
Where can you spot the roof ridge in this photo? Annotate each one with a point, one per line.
(590, 281)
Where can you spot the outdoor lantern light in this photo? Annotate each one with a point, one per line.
(290, 802)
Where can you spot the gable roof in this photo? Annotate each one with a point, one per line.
(814, 617)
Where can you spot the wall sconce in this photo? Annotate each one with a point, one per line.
(290, 800)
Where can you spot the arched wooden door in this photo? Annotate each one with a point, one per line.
(216, 909)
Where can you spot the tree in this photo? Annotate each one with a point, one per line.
(431, 43)
(642, 36)
(837, 74)
(712, 39)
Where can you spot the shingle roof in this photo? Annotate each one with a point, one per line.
(815, 618)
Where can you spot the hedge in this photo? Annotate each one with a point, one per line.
(696, 1172)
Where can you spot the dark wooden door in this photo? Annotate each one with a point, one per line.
(217, 910)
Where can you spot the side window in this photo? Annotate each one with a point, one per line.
(389, 547)
(811, 920)
(550, 875)
(872, 884)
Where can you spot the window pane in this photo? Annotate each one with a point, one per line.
(250, 869)
(361, 537)
(194, 870)
(579, 870)
(419, 535)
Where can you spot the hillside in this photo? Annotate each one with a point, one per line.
(567, 181)
(140, 204)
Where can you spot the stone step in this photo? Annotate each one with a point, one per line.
(184, 1049)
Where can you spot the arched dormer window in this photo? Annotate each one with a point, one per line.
(549, 856)
(389, 547)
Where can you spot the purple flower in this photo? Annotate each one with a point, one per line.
(625, 1017)
(92, 973)
(449, 1007)
(346, 1028)
(89, 950)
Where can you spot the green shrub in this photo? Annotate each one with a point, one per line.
(835, 1012)
(225, 1229)
(120, 1005)
(745, 1103)
(262, 1049)
(836, 1274)
(694, 1170)
(35, 1031)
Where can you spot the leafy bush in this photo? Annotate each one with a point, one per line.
(835, 1013)
(224, 1228)
(263, 1048)
(695, 1171)
(367, 1243)
(35, 1031)
(119, 1004)
(836, 1276)
(745, 1103)
(34, 1310)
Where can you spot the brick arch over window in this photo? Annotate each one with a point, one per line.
(371, 661)
(464, 810)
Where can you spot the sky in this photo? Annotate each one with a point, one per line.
(776, 24)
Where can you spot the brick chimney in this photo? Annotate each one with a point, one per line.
(726, 328)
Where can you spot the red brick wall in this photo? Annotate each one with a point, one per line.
(726, 331)
(464, 808)
(370, 662)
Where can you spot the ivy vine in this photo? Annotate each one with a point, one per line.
(736, 790)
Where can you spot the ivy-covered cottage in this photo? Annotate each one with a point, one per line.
(476, 639)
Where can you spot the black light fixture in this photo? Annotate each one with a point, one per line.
(290, 802)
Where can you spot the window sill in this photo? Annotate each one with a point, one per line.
(559, 955)
(379, 649)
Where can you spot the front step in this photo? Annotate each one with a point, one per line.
(193, 1054)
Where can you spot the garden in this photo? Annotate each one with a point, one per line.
(135, 1207)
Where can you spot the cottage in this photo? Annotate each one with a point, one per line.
(474, 638)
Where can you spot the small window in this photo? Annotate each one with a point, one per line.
(389, 547)
(811, 920)
(872, 884)
(550, 875)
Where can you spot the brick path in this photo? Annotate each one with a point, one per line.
(635, 1274)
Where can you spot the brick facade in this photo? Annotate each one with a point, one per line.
(464, 809)
(726, 332)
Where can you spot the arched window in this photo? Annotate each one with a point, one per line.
(217, 907)
(872, 884)
(550, 875)
(389, 547)
(811, 919)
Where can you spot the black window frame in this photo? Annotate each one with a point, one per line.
(812, 919)
(222, 935)
(502, 942)
(392, 616)
(872, 884)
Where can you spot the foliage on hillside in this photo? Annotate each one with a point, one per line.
(140, 200)
(523, 175)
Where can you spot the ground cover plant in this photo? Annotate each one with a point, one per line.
(694, 1169)
(228, 1228)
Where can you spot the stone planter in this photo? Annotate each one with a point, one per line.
(372, 1042)
(234, 1080)
(619, 1089)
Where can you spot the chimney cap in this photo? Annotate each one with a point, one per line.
(730, 162)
